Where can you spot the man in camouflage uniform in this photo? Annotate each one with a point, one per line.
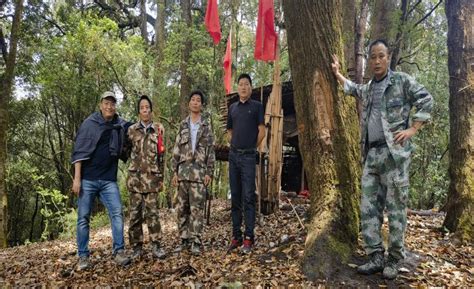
(193, 164)
(386, 148)
(145, 179)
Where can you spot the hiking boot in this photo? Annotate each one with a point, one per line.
(121, 258)
(158, 252)
(196, 249)
(183, 246)
(391, 268)
(248, 244)
(234, 244)
(84, 263)
(137, 252)
(374, 265)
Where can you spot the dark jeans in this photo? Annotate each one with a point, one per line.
(242, 189)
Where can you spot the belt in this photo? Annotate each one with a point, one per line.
(377, 144)
(243, 151)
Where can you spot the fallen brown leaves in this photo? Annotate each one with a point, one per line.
(274, 262)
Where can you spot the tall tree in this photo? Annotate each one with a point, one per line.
(383, 20)
(185, 82)
(397, 46)
(159, 47)
(328, 133)
(361, 25)
(460, 204)
(143, 21)
(6, 82)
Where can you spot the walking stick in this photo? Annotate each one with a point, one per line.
(208, 210)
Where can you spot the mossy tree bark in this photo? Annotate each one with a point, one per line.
(460, 204)
(6, 82)
(328, 133)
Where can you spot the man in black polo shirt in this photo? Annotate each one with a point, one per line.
(245, 127)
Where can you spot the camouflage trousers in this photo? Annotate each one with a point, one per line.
(384, 185)
(144, 209)
(190, 210)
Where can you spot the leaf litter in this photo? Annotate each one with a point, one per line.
(434, 257)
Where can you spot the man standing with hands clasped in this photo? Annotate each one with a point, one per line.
(386, 132)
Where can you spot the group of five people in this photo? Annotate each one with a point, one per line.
(103, 138)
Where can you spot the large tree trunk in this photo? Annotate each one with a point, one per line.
(383, 20)
(185, 82)
(328, 134)
(6, 82)
(460, 204)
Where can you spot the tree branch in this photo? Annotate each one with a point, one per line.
(150, 19)
(428, 14)
(104, 5)
(54, 24)
(400, 61)
(414, 6)
(120, 82)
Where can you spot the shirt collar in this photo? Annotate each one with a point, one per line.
(146, 127)
(194, 123)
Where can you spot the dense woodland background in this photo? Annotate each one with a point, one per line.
(59, 56)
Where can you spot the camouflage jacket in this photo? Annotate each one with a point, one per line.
(145, 169)
(402, 93)
(195, 166)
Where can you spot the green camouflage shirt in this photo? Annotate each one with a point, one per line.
(145, 169)
(401, 95)
(195, 166)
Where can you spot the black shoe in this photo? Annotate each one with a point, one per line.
(374, 265)
(391, 268)
(84, 263)
(137, 252)
(121, 258)
(158, 251)
(183, 246)
(196, 249)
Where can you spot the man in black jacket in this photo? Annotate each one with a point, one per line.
(97, 149)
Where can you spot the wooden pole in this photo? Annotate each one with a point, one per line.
(276, 138)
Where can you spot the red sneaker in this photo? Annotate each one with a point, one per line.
(248, 244)
(234, 244)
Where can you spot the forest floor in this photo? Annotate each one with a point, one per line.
(434, 259)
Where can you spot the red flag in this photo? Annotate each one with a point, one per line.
(266, 38)
(212, 21)
(228, 65)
